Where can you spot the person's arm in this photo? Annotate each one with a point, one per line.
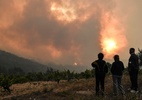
(136, 63)
(94, 64)
(122, 66)
(112, 68)
(131, 62)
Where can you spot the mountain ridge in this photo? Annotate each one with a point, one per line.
(9, 60)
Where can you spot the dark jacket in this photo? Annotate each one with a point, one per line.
(117, 68)
(100, 66)
(133, 62)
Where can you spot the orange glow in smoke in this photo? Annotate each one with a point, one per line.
(110, 45)
(54, 52)
(113, 38)
(63, 12)
(68, 12)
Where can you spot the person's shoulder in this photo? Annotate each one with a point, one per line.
(121, 62)
(113, 62)
(104, 61)
(134, 55)
(95, 62)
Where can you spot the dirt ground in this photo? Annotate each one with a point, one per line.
(74, 90)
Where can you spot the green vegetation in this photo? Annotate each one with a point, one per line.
(50, 75)
(140, 56)
(74, 89)
(61, 85)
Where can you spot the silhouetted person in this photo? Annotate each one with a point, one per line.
(117, 72)
(133, 68)
(100, 71)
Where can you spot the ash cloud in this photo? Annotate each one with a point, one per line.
(67, 33)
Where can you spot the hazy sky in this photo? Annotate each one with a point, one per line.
(70, 31)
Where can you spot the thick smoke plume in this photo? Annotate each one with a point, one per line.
(60, 31)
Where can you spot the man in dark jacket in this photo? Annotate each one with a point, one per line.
(133, 68)
(100, 71)
(117, 72)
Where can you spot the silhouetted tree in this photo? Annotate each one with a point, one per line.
(57, 76)
(5, 82)
(31, 76)
(140, 56)
(48, 71)
(77, 76)
(39, 76)
(87, 74)
(68, 75)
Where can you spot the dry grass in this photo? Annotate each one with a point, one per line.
(74, 90)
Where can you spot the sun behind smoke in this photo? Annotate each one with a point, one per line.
(113, 38)
(110, 45)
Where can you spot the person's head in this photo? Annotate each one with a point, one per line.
(116, 57)
(100, 56)
(131, 50)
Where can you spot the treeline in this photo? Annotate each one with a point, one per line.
(16, 75)
(7, 79)
(49, 75)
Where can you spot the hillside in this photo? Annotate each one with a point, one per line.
(9, 61)
(74, 90)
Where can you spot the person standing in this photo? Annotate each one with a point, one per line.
(117, 69)
(133, 67)
(100, 72)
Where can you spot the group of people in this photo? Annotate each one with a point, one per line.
(116, 69)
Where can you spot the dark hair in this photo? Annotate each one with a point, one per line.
(132, 50)
(116, 57)
(100, 56)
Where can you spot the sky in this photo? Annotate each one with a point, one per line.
(70, 31)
